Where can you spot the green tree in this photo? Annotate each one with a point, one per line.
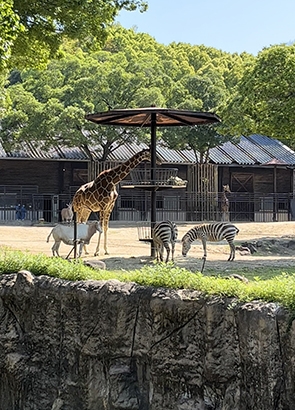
(49, 106)
(10, 27)
(33, 30)
(131, 70)
(201, 84)
(264, 100)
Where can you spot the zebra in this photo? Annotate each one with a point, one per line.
(213, 232)
(163, 234)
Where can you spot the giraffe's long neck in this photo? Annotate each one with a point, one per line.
(121, 171)
(225, 200)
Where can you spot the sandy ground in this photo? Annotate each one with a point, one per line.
(127, 252)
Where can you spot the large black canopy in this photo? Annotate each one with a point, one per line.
(150, 116)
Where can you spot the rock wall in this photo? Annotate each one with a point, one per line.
(113, 346)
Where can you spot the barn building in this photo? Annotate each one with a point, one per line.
(258, 171)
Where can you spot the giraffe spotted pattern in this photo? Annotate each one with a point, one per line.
(100, 194)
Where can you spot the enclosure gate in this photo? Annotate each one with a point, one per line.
(203, 192)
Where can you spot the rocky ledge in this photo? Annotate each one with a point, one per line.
(107, 345)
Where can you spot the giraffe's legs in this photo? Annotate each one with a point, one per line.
(104, 221)
(97, 246)
(82, 216)
(105, 230)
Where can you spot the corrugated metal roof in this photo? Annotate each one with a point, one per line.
(276, 149)
(218, 156)
(240, 155)
(253, 150)
(124, 152)
(170, 155)
(235, 154)
(256, 152)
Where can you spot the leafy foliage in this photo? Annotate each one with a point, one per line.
(34, 29)
(264, 98)
(132, 70)
(10, 28)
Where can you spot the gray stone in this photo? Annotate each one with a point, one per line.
(107, 345)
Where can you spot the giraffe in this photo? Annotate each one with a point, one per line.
(100, 194)
(225, 203)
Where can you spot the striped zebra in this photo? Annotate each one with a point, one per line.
(164, 234)
(214, 232)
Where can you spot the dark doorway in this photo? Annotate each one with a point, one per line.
(242, 197)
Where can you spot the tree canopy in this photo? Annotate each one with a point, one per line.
(131, 70)
(264, 99)
(33, 30)
(250, 94)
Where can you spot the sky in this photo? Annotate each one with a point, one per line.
(233, 26)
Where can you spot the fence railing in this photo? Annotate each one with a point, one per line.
(186, 207)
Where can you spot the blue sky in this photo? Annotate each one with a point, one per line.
(228, 25)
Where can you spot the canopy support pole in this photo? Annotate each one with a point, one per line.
(153, 177)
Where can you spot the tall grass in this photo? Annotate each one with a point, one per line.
(278, 286)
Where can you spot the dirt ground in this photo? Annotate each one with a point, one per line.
(275, 240)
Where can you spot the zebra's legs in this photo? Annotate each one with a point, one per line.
(232, 251)
(204, 242)
(158, 252)
(167, 250)
(203, 264)
(172, 251)
(161, 247)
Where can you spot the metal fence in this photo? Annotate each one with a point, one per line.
(207, 207)
(39, 207)
(136, 207)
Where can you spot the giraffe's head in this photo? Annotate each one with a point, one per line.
(145, 154)
(226, 188)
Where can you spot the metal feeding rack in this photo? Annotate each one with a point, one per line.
(163, 176)
(144, 231)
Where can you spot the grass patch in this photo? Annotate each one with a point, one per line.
(271, 285)
(12, 261)
(260, 273)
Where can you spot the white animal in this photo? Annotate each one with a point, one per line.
(176, 181)
(67, 213)
(65, 234)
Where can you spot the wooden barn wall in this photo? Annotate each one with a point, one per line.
(284, 180)
(263, 178)
(52, 177)
(56, 177)
(44, 174)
